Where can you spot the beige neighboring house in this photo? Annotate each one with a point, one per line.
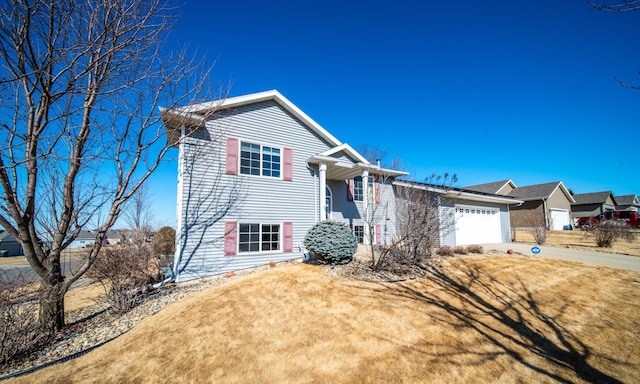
(548, 204)
(592, 204)
(627, 203)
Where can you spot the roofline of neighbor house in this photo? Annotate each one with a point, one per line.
(462, 194)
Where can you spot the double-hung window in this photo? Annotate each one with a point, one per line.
(357, 189)
(259, 160)
(358, 230)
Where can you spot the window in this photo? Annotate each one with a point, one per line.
(357, 188)
(328, 203)
(258, 237)
(259, 160)
(358, 230)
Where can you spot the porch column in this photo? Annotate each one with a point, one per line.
(365, 191)
(323, 191)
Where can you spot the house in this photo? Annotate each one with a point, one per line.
(84, 239)
(8, 245)
(502, 187)
(255, 173)
(548, 204)
(627, 203)
(592, 204)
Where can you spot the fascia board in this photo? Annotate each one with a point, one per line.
(237, 101)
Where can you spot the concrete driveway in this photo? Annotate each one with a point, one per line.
(613, 260)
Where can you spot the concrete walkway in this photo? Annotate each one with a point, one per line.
(613, 260)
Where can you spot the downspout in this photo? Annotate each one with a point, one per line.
(546, 218)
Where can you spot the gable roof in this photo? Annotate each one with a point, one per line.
(194, 116)
(492, 187)
(540, 191)
(5, 237)
(627, 200)
(593, 197)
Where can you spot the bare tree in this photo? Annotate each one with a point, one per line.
(624, 6)
(375, 212)
(617, 7)
(422, 220)
(80, 87)
(139, 216)
(376, 155)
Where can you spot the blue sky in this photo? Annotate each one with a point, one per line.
(488, 90)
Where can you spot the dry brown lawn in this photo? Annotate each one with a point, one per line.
(473, 319)
(577, 239)
(78, 298)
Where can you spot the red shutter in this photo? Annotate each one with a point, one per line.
(230, 236)
(288, 164)
(232, 156)
(287, 228)
(350, 190)
(378, 234)
(376, 191)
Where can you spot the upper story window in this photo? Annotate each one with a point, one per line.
(358, 192)
(259, 160)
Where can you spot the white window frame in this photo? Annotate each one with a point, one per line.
(260, 240)
(261, 159)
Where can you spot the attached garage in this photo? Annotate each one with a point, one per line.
(468, 217)
(560, 219)
(477, 225)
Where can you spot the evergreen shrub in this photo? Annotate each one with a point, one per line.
(331, 242)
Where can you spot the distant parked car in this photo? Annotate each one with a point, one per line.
(627, 218)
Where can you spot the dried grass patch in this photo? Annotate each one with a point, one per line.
(577, 239)
(471, 319)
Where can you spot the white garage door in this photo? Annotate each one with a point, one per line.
(477, 225)
(559, 219)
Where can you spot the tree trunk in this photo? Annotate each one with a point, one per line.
(51, 313)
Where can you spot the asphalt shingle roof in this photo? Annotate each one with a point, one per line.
(593, 197)
(534, 192)
(488, 187)
(625, 200)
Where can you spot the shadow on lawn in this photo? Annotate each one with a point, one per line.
(505, 315)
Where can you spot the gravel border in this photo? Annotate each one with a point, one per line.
(95, 325)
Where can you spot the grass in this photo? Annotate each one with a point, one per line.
(580, 240)
(472, 319)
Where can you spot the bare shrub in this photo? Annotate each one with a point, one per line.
(19, 331)
(475, 249)
(605, 234)
(445, 251)
(125, 272)
(460, 250)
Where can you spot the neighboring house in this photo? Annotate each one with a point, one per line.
(547, 204)
(83, 240)
(503, 187)
(592, 204)
(9, 244)
(255, 173)
(627, 203)
(469, 217)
